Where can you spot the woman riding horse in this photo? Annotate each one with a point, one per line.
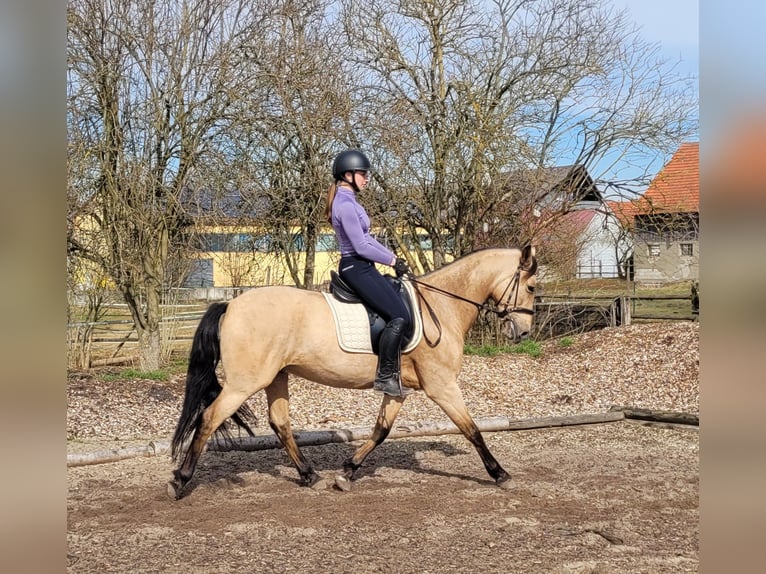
(359, 252)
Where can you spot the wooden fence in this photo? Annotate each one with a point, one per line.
(115, 342)
(557, 315)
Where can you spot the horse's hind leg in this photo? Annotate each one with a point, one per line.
(278, 397)
(389, 408)
(225, 405)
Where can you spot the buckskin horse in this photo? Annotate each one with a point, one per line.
(267, 333)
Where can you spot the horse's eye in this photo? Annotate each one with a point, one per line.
(531, 288)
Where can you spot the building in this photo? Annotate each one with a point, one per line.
(665, 222)
(241, 255)
(238, 255)
(562, 211)
(597, 233)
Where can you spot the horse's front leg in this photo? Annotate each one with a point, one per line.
(389, 408)
(450, 399)
(278, 397)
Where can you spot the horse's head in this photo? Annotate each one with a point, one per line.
(516, 302)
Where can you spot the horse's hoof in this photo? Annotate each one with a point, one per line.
(174, 490)
(321, 484)
(343, 483)
(309, 480)
(506, 484)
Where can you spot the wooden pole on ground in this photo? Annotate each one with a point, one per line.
(320, 437)
(657, 416)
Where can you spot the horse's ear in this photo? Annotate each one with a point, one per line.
(528, 260)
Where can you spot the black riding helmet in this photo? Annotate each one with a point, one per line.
(349, 160)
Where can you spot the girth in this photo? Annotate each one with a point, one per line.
(343, 292)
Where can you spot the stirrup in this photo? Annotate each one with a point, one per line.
(392, 387)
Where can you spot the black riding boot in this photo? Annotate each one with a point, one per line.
(387, 378)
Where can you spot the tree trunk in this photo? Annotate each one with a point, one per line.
(149, 349)
(310, 232)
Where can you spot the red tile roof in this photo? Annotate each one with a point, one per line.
(624, 210)
(677, 187)
(580, 218)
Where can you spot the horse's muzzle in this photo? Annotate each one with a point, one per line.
(514, 332)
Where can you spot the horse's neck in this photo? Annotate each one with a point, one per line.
(469, 279)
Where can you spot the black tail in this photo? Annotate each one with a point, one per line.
(202, 385)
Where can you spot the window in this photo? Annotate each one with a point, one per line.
(687, 249)
(654, 249)
(263, 243)
(200, 273)
(234, 242)
(239, 242)
(298, 244)
(212, 242)
(327, 242)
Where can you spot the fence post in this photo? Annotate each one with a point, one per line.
(695, 297)
(620, 311)
(625, 316)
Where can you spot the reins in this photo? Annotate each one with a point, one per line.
(480, 306)
(433, 315)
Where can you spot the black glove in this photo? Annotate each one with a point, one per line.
(401, 267)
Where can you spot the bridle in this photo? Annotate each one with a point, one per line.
(508, 309)
(513, 286)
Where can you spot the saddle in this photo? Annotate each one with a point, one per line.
(343, 293)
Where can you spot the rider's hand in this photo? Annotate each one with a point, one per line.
(401, 267)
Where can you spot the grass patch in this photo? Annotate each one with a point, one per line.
(178, 364)
(161, 375)
(612, 288)
(527, 347)
(566, 342)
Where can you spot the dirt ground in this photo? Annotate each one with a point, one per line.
(596, 499)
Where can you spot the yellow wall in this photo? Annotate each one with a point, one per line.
(254, 268)
(232, 269)
(244, 267)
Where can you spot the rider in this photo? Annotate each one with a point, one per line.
(359, 252)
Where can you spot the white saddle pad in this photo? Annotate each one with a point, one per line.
(352, 324)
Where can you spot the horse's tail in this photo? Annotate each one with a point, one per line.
(202, 386)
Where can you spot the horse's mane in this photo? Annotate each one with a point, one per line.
(476, 252)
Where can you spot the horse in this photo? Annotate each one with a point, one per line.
(267, 333)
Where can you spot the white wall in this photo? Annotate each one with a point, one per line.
(598, 257)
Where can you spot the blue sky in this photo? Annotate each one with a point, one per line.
(674, 25)
(733, 75)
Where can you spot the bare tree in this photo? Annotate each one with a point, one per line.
(295, 131)
(152, 88)
(471, 92)
(450, 98)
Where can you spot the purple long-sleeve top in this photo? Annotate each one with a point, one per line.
(352, 228)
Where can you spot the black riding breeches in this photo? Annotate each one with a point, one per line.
(362, 276)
